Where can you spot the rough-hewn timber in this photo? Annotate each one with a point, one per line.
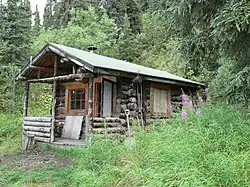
(76, 77)
(89, 115)
(38, 127)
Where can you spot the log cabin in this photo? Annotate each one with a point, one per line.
(95, 94)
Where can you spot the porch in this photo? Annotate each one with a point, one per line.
(39, 129)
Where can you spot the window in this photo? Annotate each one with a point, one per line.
(76, 99)
(160, 101)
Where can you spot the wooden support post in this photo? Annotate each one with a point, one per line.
(54, 102)
(25, 110)
(89, 115)
(74, 70)
(26, 99)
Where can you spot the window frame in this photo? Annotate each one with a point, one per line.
(75, 87)
(169, 108)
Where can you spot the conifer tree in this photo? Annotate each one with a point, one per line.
(48, 14)
(62, 15)
(18, 35)
(134, 15)
(117, 9)
(3, 45)
(37, 22)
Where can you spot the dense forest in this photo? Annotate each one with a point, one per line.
(207, 41)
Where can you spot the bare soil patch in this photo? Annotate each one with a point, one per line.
(35, 159)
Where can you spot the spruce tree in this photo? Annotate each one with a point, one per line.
(18, 35)
(3, 44)
(62, 15)
(134, 15)
(48, 14)
(37, 22)
(117, 9)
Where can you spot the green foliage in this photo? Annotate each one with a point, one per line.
(212, 150)
(209, 31)
(40, 100)
(87, 28)
(37, 22)
(10, 90)
(10, 134)
(17, 32)
(48, 14)
(230, 85)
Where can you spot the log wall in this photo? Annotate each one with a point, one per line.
(176, 99)
(60, 109)
(146, 101)
(39, 127)
(127, 98)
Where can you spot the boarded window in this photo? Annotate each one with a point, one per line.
(159, 101)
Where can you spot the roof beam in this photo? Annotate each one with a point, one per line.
(62, 78)
(47, 69)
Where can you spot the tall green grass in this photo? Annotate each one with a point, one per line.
(10, 134)
(211, 150)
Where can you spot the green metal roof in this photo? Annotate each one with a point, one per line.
(98, 61)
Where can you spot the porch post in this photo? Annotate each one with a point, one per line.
(25, 109)
(89, 114)
(26, 99)
(54, 102)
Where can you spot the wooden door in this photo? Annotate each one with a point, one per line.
(107, 99)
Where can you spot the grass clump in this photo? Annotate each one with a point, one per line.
(10, 134)
(210, 150)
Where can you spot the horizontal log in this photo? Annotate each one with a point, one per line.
(47, 69)
(61, 78)
(106, 119)
(41, 134)
(38, 119)
(111, 136)
(37, 124)
(108, 124)
(40, 139)
(37, 129)
(60, 117)
(109, 130)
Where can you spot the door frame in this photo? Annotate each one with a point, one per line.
(96, 105)
(100, 80)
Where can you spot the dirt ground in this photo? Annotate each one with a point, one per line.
(33, 160)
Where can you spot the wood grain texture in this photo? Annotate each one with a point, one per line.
(72, 127)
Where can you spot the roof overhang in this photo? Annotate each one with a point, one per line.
(45, 57)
